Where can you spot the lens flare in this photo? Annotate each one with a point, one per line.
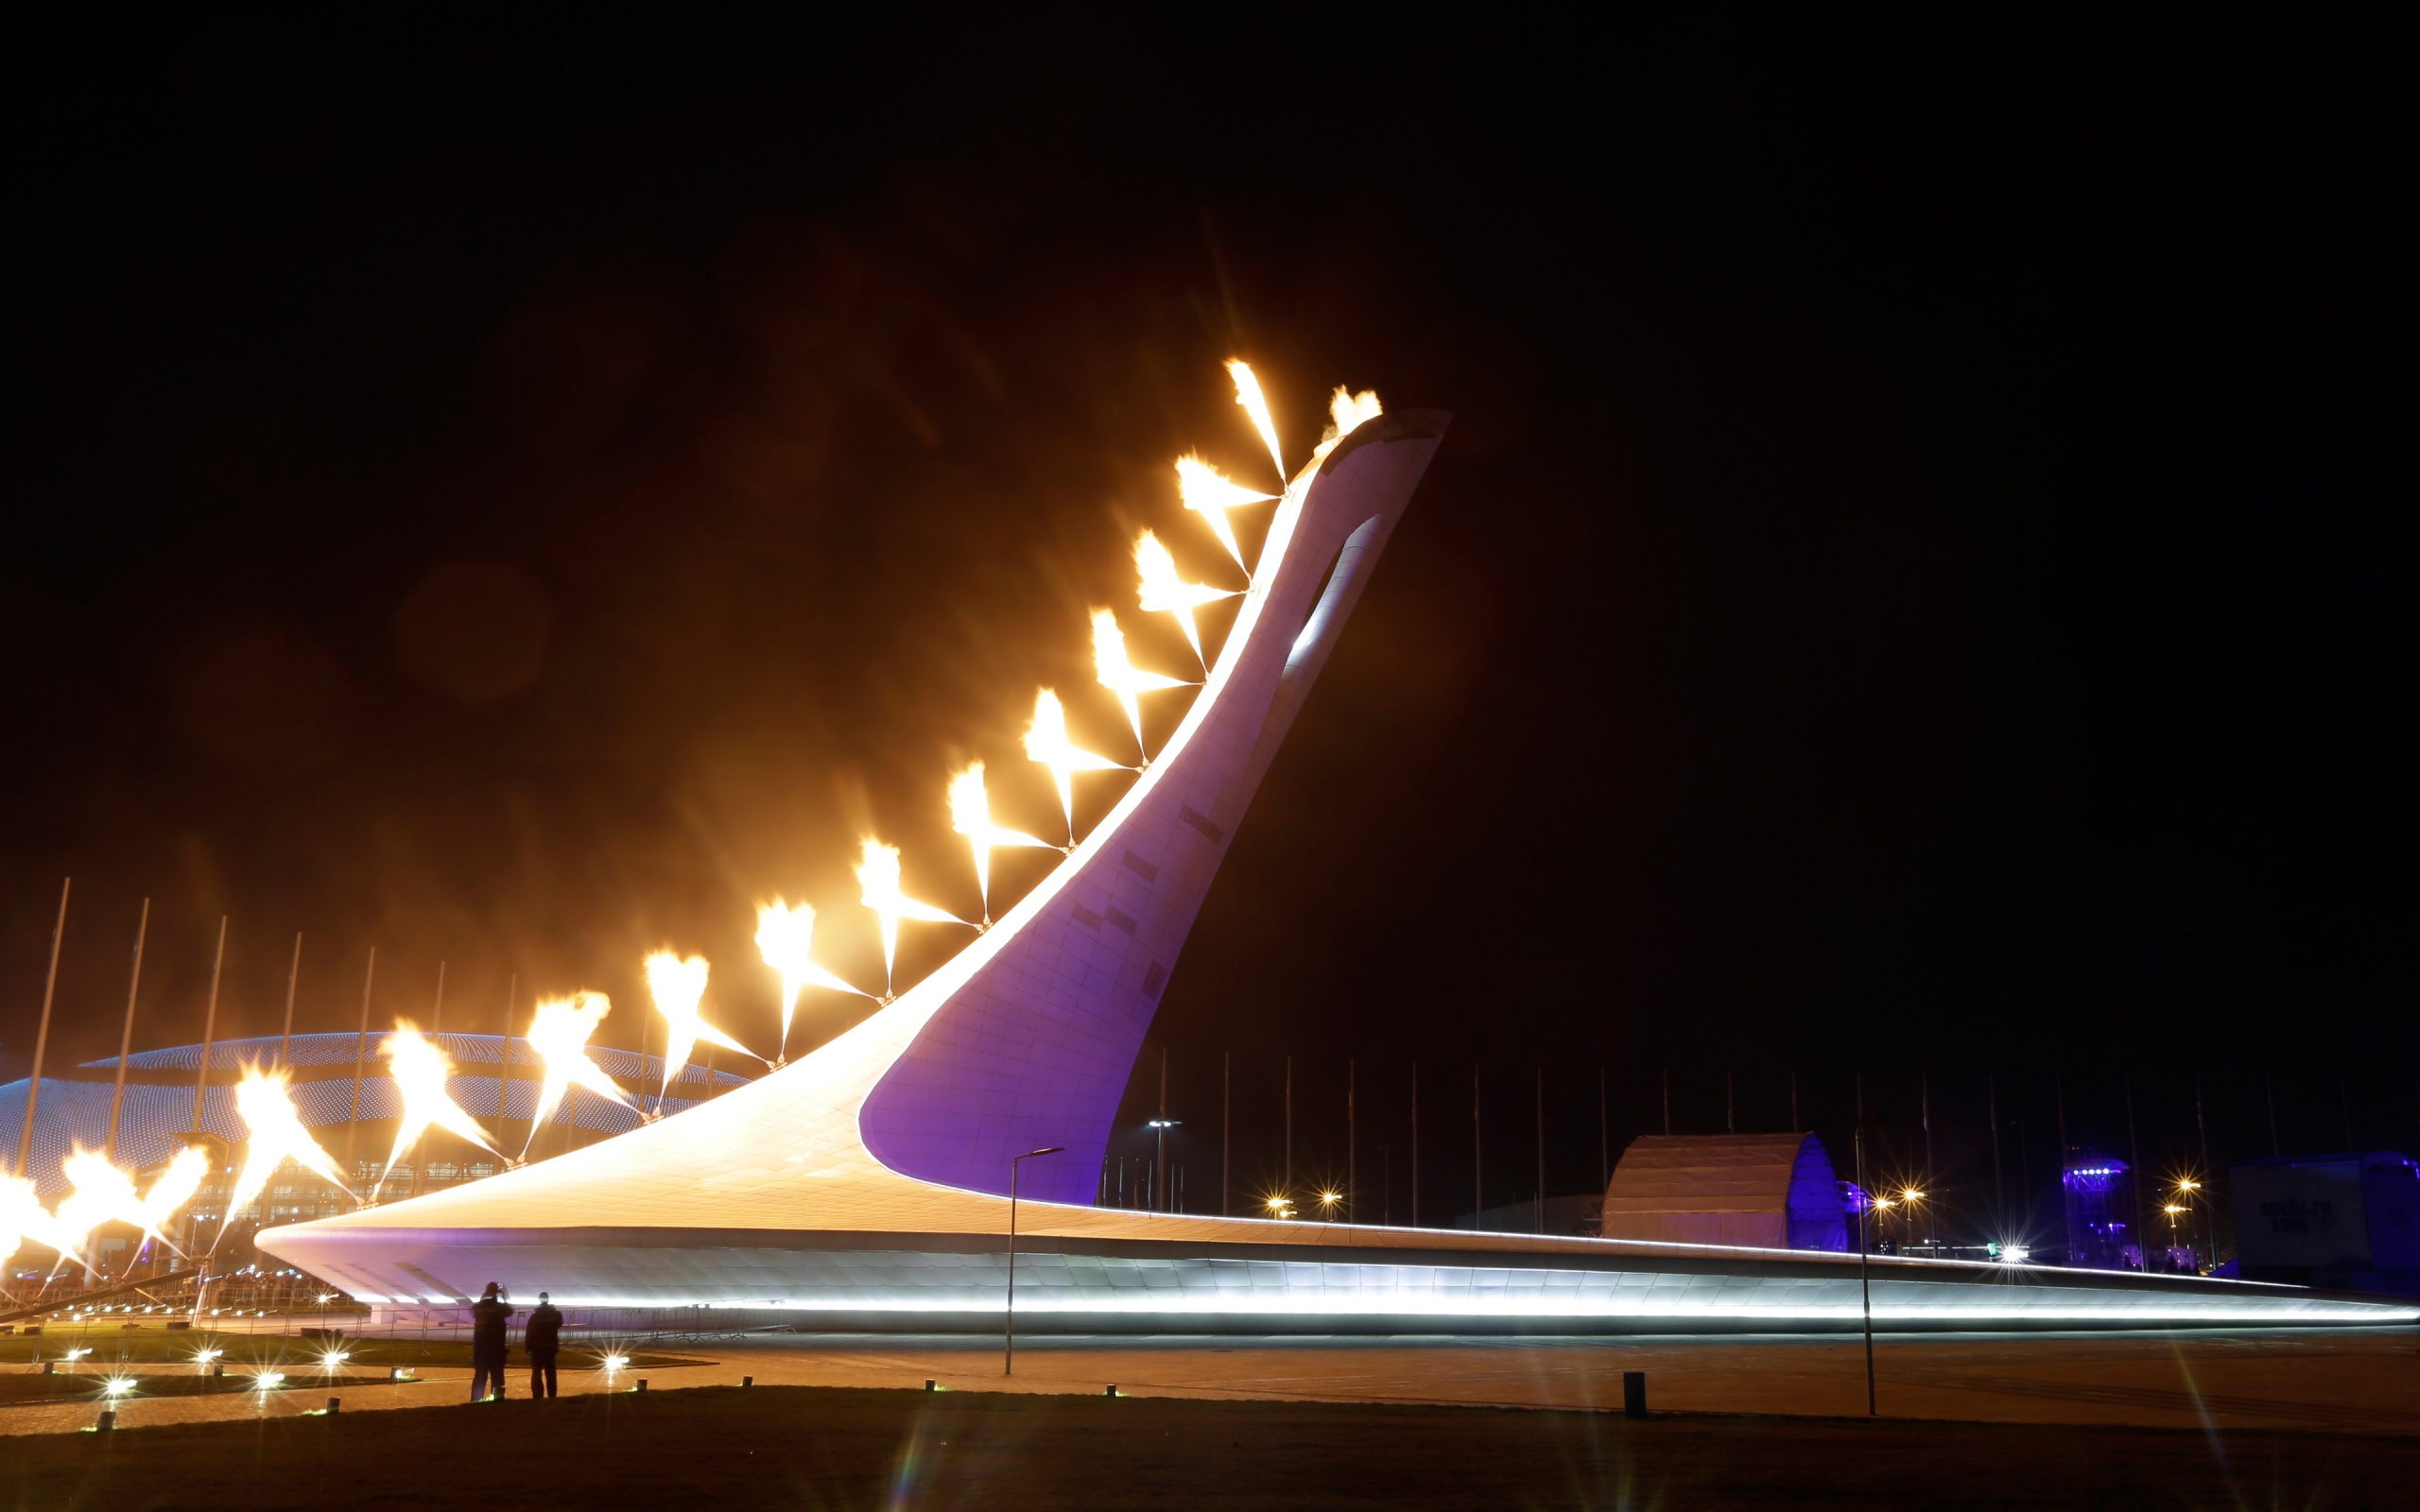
(679, 986)
(273, 1134)
(1210, 493)
(785, 935)
(1163, 593)
(970, 814)
(419, 1071)
(1121, 676)
(1046, 742)
(878, 889)
(1254, 404)
(559, 1032)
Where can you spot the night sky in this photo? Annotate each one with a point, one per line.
(1909, 589)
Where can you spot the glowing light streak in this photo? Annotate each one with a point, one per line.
(1209, 493)
(118, 1385)
(1046, 742)
(970, 814)
(1163, 593)
(559, 1032)
(785, 937)
(1122, 676)
(679, 986)
(421, 1071)
(878, 888)
(269, 1380)
(613, 1362)
(1255, 403)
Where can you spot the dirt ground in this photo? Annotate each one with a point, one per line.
(729, 1447)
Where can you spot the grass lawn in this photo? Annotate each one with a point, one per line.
(791, 1447)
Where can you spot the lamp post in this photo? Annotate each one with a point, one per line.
(1864, 1282)
(1159, 1127)
(2186, 1187)
(1008, 1333)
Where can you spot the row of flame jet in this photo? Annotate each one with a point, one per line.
(558, 1033)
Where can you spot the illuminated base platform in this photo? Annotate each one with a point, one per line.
(1341, 1280)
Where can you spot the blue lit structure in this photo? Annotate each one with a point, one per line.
(2098, 1197)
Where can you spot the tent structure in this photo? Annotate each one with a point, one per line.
(1774, 1191)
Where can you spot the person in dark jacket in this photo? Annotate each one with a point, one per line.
(543, 1341)
(487, 1317)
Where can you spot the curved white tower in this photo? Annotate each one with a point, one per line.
(862, 1185)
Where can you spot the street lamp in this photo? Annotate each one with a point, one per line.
(1009, 1334)
(2186, 1187)
(1864, 1282)
(1164, 1196)
(1910, 1197)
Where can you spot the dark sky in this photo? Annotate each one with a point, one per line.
(1911, 586)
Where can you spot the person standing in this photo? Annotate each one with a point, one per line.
(488, 1318)
(543, 1340)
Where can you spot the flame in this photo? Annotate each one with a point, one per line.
(1163, 593)
(878, 889)
(273, 1133)
(678, 986)
(785, 935)
(105, 1194)
(24, 1219)
(1348, 412)
(1254, 404)
(1047, 742)
(1211, 493)
(1121, 676)
(420, 1070)
(970, 814)
(559, 1032)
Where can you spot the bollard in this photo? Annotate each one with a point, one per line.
(107, 1422)
(49, 1368)
(1110, 1390)
(930, 1384)
(335, 1403)
(747, 1381)
(641, 1385)
(394, 1372)
(1633, 1393)
(218, 1373)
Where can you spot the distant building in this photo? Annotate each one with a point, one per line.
(1776, 1191)
(1576, 1216)
(2348, 1221)
(2097, 1193)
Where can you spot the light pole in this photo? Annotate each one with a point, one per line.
(1159, 1126)
(1864, 1283)
(1008, 1333)
(2186, 1187)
